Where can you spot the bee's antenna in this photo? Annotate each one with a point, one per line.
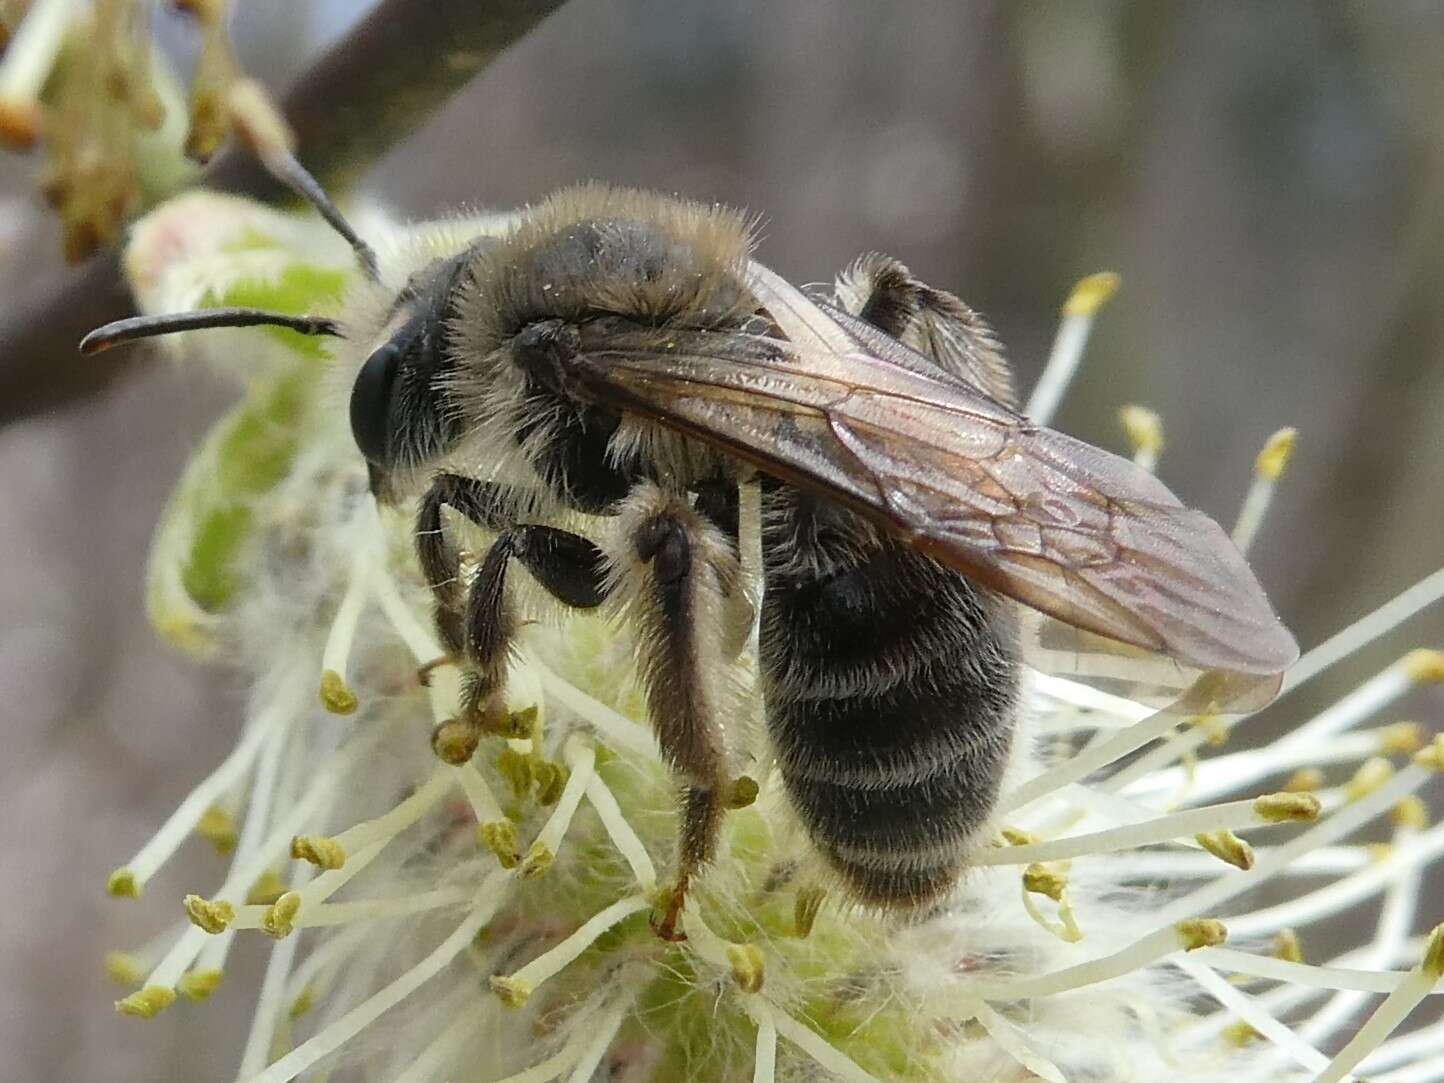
(266, 132)
(138, 327)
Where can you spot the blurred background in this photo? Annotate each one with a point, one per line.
(1265, 178)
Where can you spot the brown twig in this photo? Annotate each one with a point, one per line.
(370, 91)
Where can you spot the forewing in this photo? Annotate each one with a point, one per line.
(1071, 530)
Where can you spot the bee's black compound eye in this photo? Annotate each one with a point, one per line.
(371, 404)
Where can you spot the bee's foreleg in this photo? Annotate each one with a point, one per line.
(480, 630)
(483, 503)
(673, 572)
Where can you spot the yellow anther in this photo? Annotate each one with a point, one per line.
(1227, 847)
(1412, 813)
(510, 991)
(213, 917)
(1279, 808)
(1288, 946)
(218, 828)
(1091, 294)
(19, 124)
(517, 769)
(1240, 1034)
(1433, 964)
(1372, 774)
(454, 741)
(146, 1003)
(1379, 852)
(1144, 428)
(742, 792)
(1402, 738)
(1039, 879)
(1017, 837)
(551, 780)
(122, 884)
(336, 697)
(1432, 754)
(522, 724)
(1425, 666)
(124, 968)
(198, 985)
(1304, 780)
(1213, 728)
(805, 909)
(267, 889)
(1273, 460)
(1201, 933)
(748, 968)
(499, 836)
(304, 1002)
(538, 861)
(319, 850)
(279, 921)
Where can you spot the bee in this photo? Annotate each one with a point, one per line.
(618, 357)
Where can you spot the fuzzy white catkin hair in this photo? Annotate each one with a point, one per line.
(489, 922)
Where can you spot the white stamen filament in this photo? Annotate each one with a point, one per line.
(1336, 826)
(613, 727)
(488, 898)
(357, 910)
(342, 634)
(31, 55)
(1369, 698)
(764, 1057)
(465, 1011)
(1251, 1012)
(1335, 978)
(389, 825)
(271, 1003)
(277, 715)
(1397, 1005)
(313, 978)
(484, 805)
(1012, 1041)
(1079, 313)
(1272, 461)
(1367, 629)
(1338, 895)
(581, 757)
(819, 1049)
(1134, 956)
(546, 1070)
(620, 831)
(1396, 921)
(553, 962)
(1233, 816)
(601, 1040)
(1089, 760)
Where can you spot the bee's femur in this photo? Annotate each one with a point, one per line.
(138, 327)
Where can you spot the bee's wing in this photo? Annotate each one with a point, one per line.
(1071, 530)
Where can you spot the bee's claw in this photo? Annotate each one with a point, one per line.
(423, 673)
(666, 915)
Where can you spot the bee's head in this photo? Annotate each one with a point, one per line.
(400, 412)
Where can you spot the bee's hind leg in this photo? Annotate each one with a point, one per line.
(674, 573)
(480, 627)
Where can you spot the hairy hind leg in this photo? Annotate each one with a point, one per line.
(674, 576)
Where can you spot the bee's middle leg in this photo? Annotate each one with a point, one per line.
(674, 572)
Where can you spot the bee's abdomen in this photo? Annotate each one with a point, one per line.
(890, 684)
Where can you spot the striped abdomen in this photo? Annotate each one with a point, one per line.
(890, 684)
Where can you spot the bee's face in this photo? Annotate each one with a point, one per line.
(400, 412)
